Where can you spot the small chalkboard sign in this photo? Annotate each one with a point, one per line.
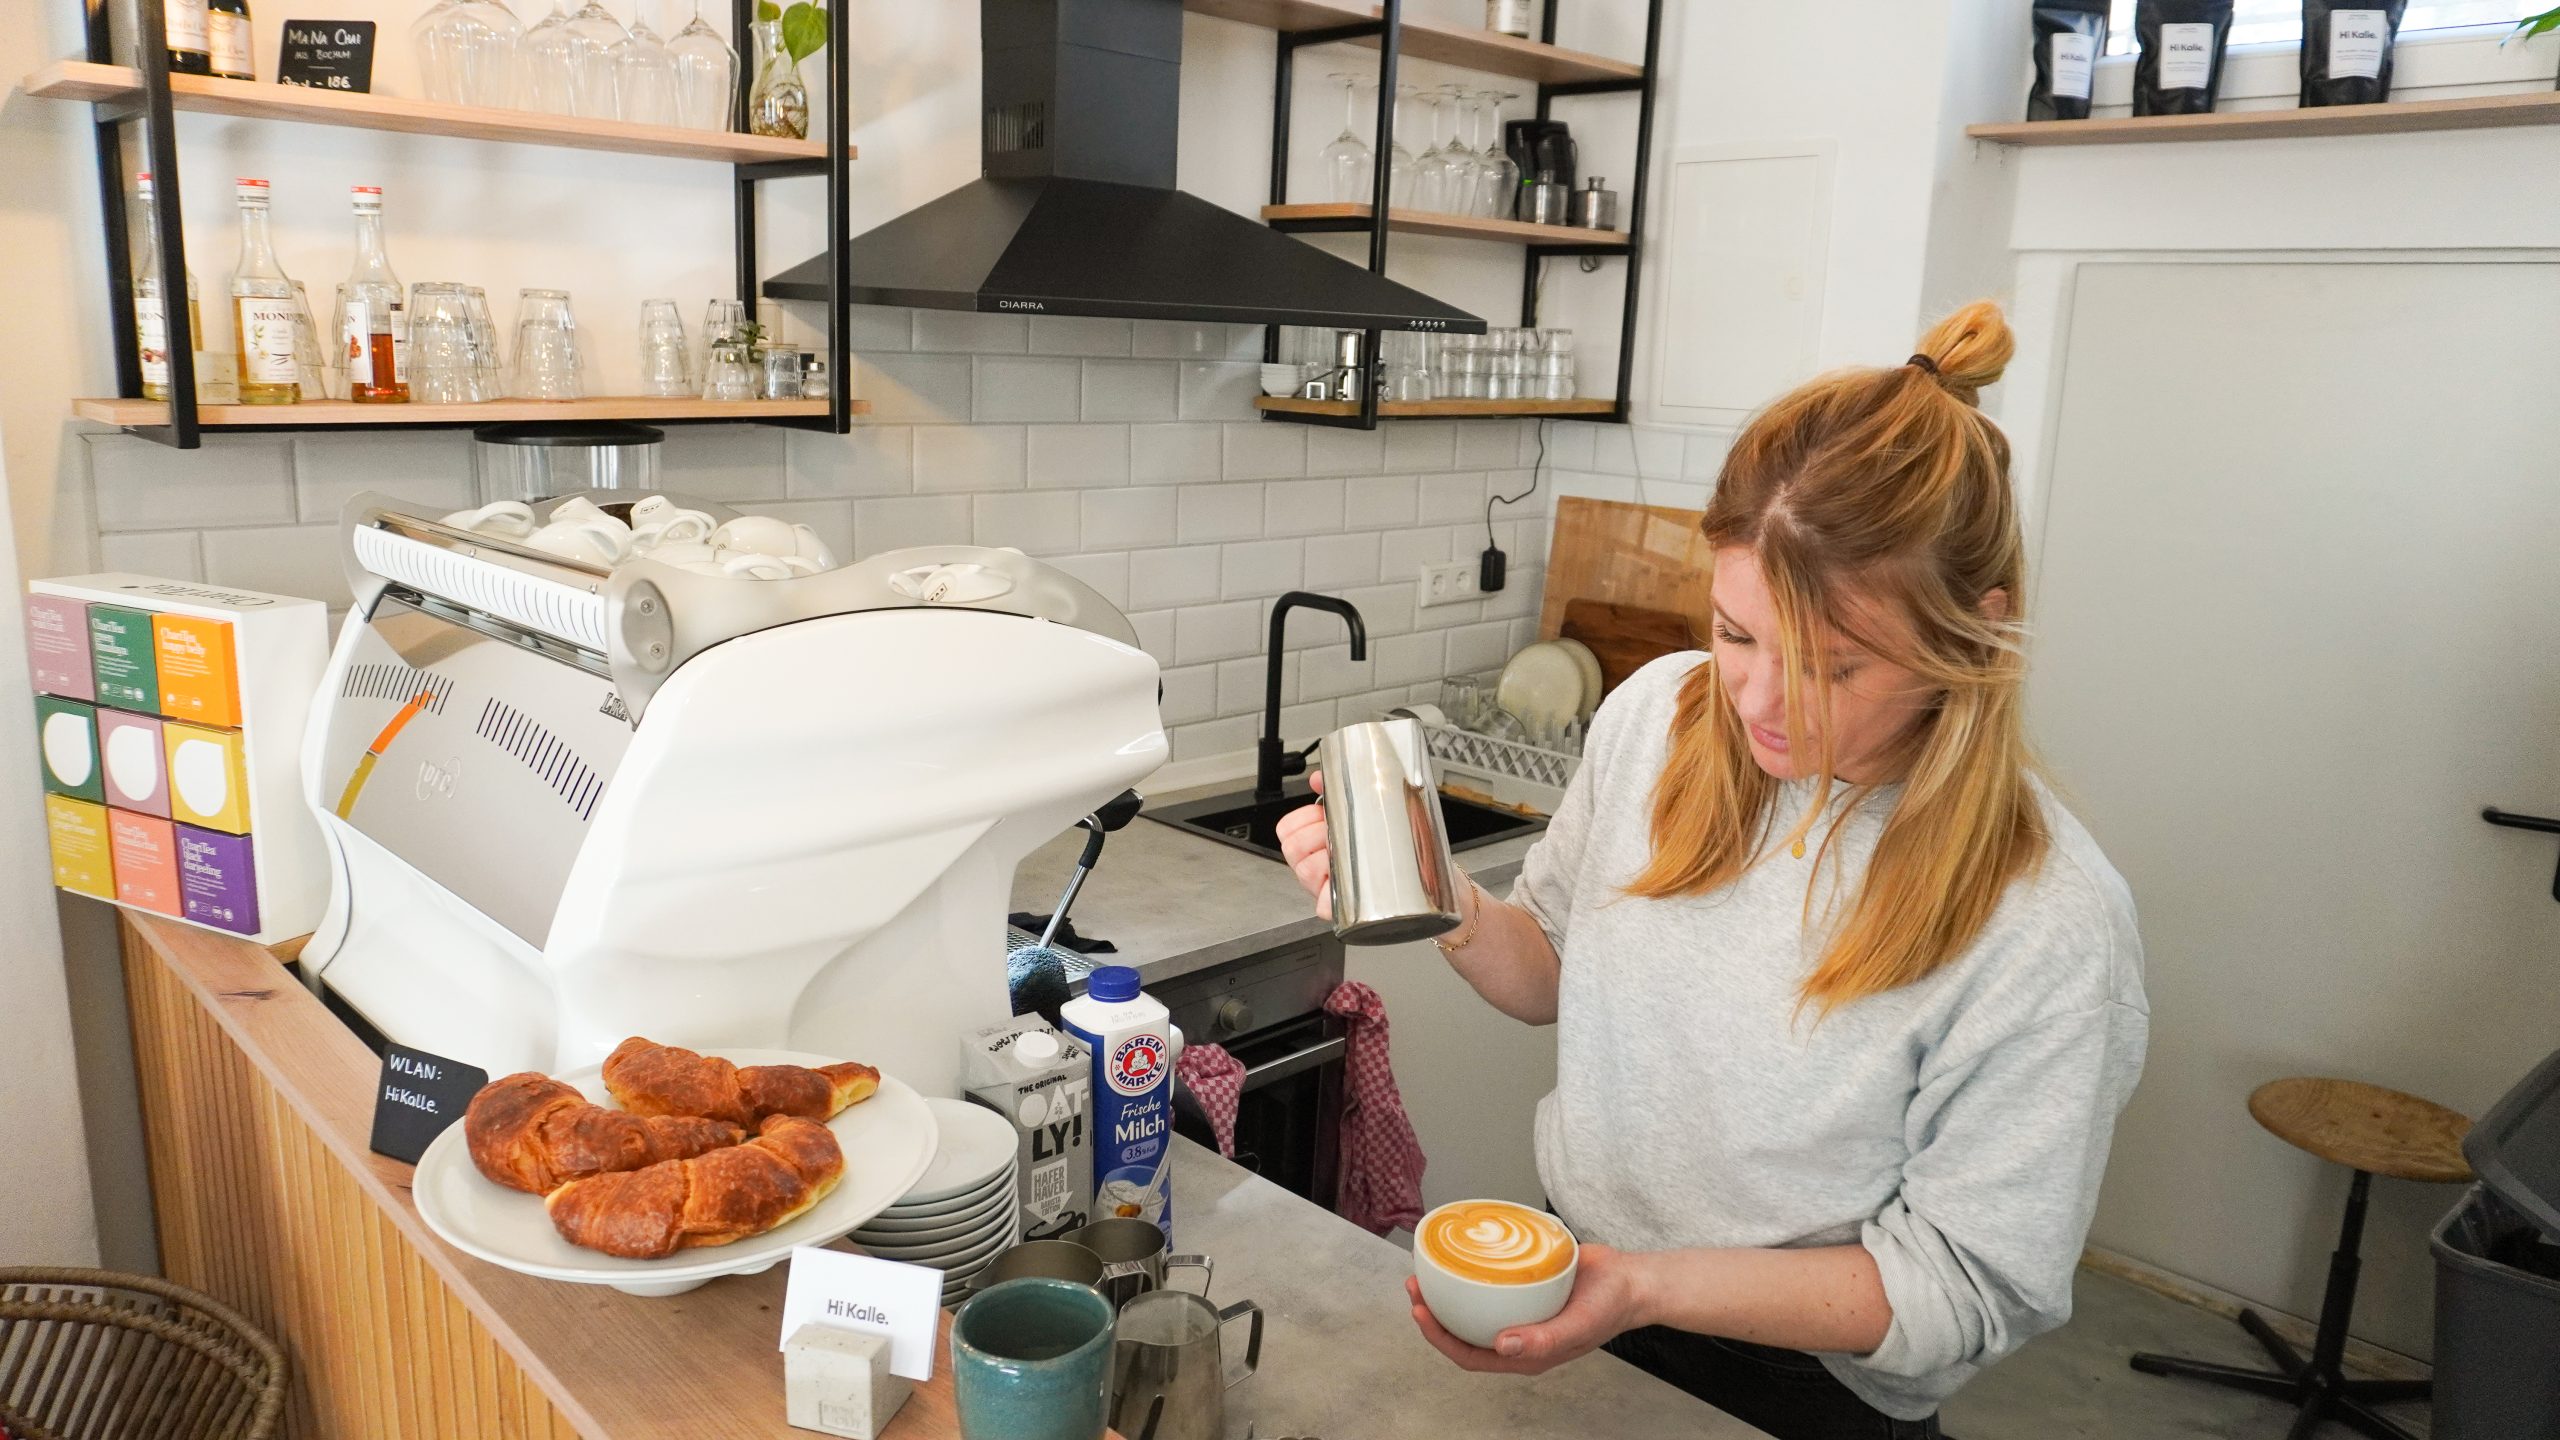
(419, 1096)
(327, 55)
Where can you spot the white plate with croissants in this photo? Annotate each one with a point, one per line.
(664, 1168)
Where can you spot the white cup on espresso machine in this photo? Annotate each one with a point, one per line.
(1393, 878)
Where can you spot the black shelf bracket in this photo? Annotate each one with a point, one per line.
(836, 166)
(2512, 821)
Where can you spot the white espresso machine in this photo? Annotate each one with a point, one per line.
(567, 804)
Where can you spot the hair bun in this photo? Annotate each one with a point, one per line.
(1968, 350)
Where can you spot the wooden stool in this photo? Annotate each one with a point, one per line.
(2371, 1131)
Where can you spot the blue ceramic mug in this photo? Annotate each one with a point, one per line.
(1031, 1360)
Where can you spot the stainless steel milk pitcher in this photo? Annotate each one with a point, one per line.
(1393, 879)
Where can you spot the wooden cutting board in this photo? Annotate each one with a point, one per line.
(1630, 581)
(1625, 638)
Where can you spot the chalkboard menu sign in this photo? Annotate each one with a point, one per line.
(419, 1096)
(327, 55)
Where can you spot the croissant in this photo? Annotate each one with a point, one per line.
(708, 1200)
(530, 1132)
(654, 1079)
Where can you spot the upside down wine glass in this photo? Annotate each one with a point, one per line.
(706, 76)
(1497, 176)
(1348, 168)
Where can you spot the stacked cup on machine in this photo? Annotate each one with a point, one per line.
(962, 1213)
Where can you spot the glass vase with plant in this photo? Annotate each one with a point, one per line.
(778, 104)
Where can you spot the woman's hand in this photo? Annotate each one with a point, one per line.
(1302, 844)
(1607, 1301)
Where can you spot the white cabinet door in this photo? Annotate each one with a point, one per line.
(1472, 1076)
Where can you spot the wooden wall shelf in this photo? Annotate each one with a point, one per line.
(80, 80)
(1457, 227)
(323, 414)
(1440, 409)
(1484, 50)
(2470, 112)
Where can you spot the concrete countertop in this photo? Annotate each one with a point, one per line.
(1176, 902)
(1341, 1359)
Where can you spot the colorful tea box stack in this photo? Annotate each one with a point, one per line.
(169, 721)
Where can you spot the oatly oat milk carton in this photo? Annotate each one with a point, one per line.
(1131, 1036)
(1042, 1081)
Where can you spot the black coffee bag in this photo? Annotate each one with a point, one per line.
(2179, 68)
(2346, 51)
(2070, 36)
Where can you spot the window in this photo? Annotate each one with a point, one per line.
(2258, 22)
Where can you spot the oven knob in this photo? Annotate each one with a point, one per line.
(1234, 1017)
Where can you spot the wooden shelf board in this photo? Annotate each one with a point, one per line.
(318, 413)
(1460, 227)
(1427, 409)
(1484, 50)
(80, 80)
(2470, 112)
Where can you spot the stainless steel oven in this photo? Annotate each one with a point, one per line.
(1267, 1010)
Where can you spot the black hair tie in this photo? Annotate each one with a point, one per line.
(1924, 362)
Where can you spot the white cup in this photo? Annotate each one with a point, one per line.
(575, 542)
(675, 528)
(807, 546)
(747, 564)
(577, 509)
(1478, 1311)
(1279, 381)
(684, 552)
(759, 533)
(503, 519)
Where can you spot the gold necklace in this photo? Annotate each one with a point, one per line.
(1798, 849)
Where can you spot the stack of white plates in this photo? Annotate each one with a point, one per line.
(963, 1212)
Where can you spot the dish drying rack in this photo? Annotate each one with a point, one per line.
(1513, 772)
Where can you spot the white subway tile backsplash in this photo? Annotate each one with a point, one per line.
(1658, 452)
(1242, 684)
(1195, 340)
(831, 519)
(298, 560)
(1417, 447)
(1036, 523)
(1474, 649)
(167, 554)
(879, 327)
(724, 462)
(1162, 454)
(1126, 519)
(1585, 485)
(896, 523)
(431, 470)
(1407, 659)
(971, 330)
(1376, 504)
(1261, 567)
(1155, 633)
(1141, 391)
(1190, 694)
(1702, 457)
(1517, 597)
(1488, 444)
(1166, 578)
(1302, 723)
(1203, 633)
(1357, 709)
(1336, 561)
(1256, 451)
(1401, 553)
(1613, 450)
(1452, 499)
(1328, 672)
(922, 389)
(1028, 388)
(1335, 451)
(1388, 607)
(1570, 444)
(1213, 737)
(872, 460)
(1221, 390)
(1524, 633)
(1107, 574)
(1443, 617)
(968, 459)
(1302, 507)
(234, 480)
(1078, 335)
(1678, 494)
(1220, 512)
(1079, 456)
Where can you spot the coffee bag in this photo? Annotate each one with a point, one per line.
(2178, 70)
(2070, 36)
(1042, 1082)
(2346, 51)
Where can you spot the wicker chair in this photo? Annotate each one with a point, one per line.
(94, 1355)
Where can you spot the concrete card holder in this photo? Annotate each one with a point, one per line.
(837, 1382)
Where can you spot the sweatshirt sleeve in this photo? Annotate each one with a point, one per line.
(1978, 1248)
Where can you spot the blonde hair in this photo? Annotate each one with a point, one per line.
(1863, 494)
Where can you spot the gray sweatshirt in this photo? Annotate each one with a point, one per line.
(1956, 1127)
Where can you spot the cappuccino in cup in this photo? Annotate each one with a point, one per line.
(1488, 1265)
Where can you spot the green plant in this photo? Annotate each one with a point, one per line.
(804, 26)
(2533, 25)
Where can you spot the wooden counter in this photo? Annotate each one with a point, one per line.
(257, 1106)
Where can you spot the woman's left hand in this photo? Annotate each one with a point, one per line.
(1605, 1304)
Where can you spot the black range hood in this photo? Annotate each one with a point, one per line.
(1076, 213)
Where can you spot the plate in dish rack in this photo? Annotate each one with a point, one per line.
(888, 1141)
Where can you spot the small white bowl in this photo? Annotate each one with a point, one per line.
(1279, 381)
(1478, 1311)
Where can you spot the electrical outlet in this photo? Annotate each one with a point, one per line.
(1449, 583)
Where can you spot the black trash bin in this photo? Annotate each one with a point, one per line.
(2498, 1274)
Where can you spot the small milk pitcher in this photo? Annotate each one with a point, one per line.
(1393, 879)
(1169, 1374)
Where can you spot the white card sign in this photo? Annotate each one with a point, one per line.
(857, 1292)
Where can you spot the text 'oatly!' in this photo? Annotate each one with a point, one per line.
(1042, 1083)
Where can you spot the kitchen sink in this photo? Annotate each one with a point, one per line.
(1248, 824)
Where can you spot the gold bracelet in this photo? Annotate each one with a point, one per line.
(1466, 933)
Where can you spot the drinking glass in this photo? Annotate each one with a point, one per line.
(644, 75)
(728, 355)
(489, 366)
(309, 360)
(1497, 175)
(593, 35)
(1400, 159)
(1556, 365)
(467, 52)
(666, 358)
(1349, 173)
(547, 361)
(435, 71)
(706, 76)
(443, 366)
(781, 379)
(547, 68)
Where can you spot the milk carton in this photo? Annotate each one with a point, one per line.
(1131, 1037)
(1042, 1082)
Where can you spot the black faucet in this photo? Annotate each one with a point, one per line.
(1276, 761)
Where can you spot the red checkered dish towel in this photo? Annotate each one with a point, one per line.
(1382, 1162)
(1215, 1079)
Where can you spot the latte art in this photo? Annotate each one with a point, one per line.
(1496, 1243)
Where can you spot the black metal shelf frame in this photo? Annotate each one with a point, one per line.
(1388, 29)
(153, 110)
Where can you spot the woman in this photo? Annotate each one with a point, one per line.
(1846, 1002)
